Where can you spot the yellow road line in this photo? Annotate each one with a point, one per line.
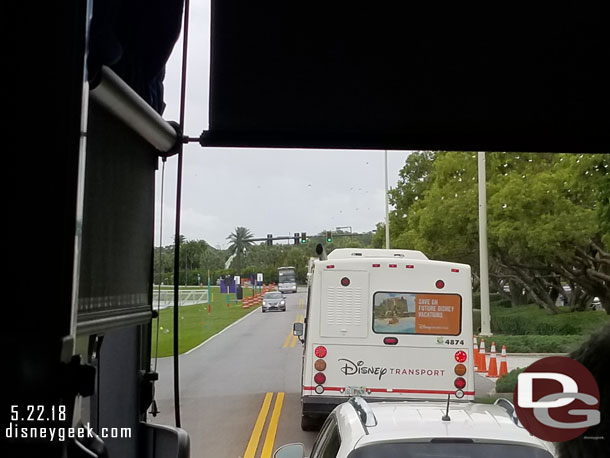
(293, 342)
(258, 427)
(273, 423)
(291, 339)
(287, 341)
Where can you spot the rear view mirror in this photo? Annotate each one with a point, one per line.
(297, 329)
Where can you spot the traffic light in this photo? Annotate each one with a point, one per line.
(296, 238)
(303, 237)
(329, 237)
(269, 239)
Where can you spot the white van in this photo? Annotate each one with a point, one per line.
(385, 325)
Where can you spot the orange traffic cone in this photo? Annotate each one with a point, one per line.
(475, 346)
(503, 365)
(493, 366)
(482, 366)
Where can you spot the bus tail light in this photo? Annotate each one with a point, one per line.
(320, 351)
(461, 356)
(410, 266)
(376, 265)
(459, 383)
(330, 266)
(390, 340)
(320, 378)
(393, 266)
(320, 365)
(459, 369)
(440, 284)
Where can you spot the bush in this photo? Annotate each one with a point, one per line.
(536, 344)
(506, 383)
(530, 319)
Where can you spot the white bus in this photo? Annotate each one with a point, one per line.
(385, 325)
(287, 280)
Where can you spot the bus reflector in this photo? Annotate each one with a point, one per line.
(376, 265)
(330, 266)
(320, 378)
(440, 284)
(459, 382)
(409, 266)
(345, 281)
(459, 369)
(390, 341)
(393, 265)
(461, 356)
(320, 365)
(319, 389)
(320, 351)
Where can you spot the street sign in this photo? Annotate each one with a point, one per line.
(259, 277)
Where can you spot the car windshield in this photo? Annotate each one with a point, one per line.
(273, 296)
(447, 450)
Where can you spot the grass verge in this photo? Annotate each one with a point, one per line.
(196, 324)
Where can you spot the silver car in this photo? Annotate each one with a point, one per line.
(273, 300)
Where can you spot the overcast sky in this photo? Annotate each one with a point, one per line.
(269, 191)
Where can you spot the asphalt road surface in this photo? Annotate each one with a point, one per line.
(240, 390)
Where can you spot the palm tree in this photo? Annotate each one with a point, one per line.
(240, 244)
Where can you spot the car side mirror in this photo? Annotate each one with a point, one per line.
(297, 330)
(290, 451)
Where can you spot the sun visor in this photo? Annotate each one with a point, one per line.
(486, 76)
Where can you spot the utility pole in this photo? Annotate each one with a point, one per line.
(387, 212)
(483, 259)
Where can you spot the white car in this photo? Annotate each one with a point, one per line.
(422, 429)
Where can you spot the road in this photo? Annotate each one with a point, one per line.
(224, 386)
(240, 391)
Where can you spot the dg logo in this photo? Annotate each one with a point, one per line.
(557, 399)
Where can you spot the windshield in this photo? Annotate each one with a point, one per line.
(447, 450)
(287, 276)
(273, 296)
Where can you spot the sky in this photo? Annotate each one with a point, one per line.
(269, 191)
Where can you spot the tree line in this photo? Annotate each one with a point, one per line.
(548, 221)
(197, 257)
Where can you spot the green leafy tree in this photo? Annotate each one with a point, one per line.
(545, 220)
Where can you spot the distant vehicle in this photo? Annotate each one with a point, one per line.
(287, 280)
(273, 301)
(357, 429)
(385, 325)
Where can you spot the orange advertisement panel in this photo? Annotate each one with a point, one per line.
(438, 314)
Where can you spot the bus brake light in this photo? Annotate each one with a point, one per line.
(320, 351)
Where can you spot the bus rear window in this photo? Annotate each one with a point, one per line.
(417, 313)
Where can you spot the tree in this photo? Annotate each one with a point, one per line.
(545, 220)
(239, 246)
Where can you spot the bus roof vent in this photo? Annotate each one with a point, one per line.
(356, 254)
(364, 411)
